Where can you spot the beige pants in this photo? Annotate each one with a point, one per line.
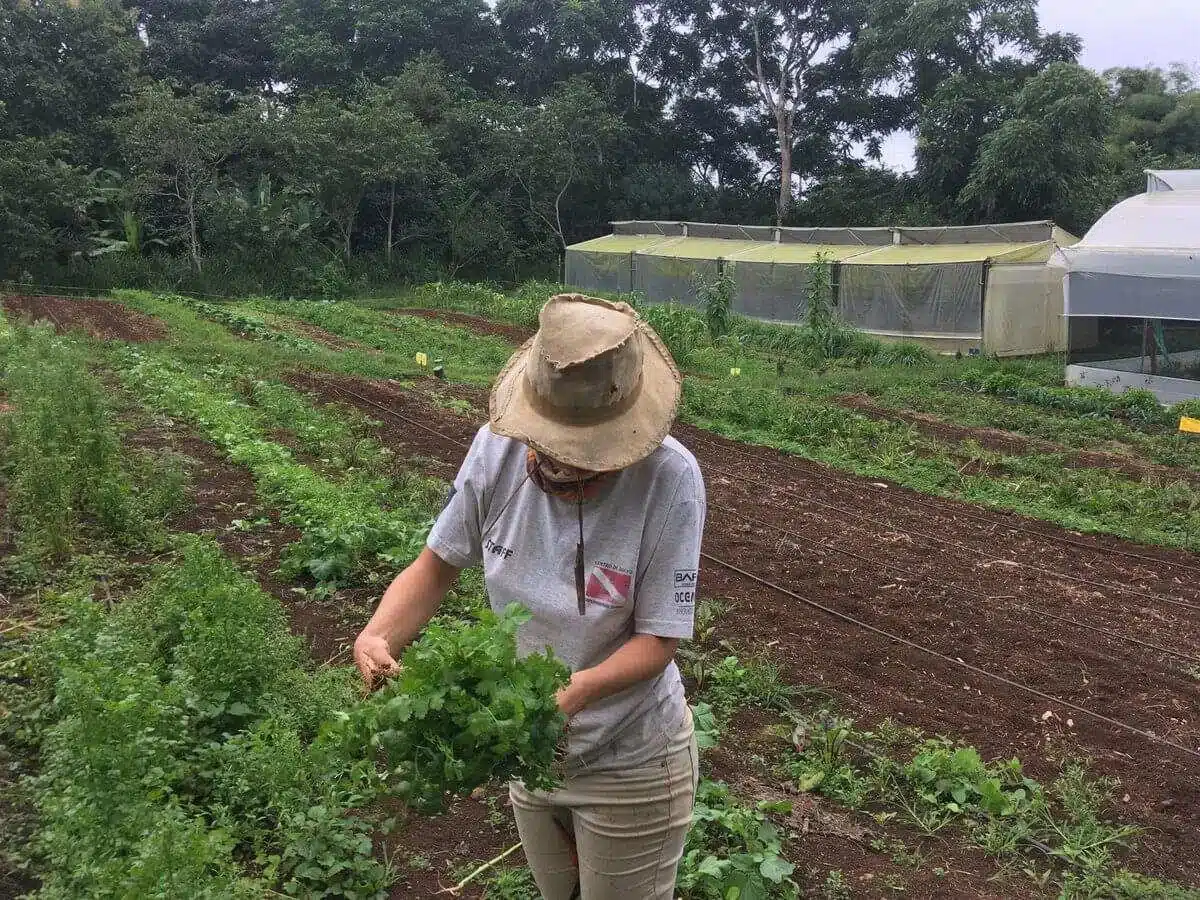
(612, 835)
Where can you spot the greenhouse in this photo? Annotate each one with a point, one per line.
(1132, 290)
(954, 289)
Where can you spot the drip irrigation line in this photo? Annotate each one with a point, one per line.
(970, 597)
(1116, 634)
(413, 422)
(936, 654)
(1052, 573)
(919, 500)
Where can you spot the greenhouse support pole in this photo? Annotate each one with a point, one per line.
(985, 270)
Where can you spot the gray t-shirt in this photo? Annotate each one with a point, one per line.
(642, 552)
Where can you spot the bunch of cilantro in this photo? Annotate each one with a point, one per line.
(463, 711)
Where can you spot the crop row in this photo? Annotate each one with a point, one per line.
(344, 529)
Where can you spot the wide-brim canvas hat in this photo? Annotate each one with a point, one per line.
(595, 388)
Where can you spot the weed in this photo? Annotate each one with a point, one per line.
(419, 862)
(177, 739)
(716, 295)
(511, 884)
(733, 684)
(819, 762)
(62, 454)
(818, 294)
(733, 850)
(835, 886)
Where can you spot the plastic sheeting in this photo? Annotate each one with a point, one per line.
(1142, 259)
(1172, 180)
(1010, 233)
(1132, 296)
(919, 300)
(666, 229)
(665, 279)
(731, 232)
(1023, 311)
(607, 272)
(773, 291)
(864, 237)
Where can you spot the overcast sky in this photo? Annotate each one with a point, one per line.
(1115, 33)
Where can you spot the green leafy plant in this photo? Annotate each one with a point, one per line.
(819, 313)
(715, 294)
(734, 683)
(61, 451)
(734, 850)
(176, 742)
(820, 762)
(835, 887)
(463, 711)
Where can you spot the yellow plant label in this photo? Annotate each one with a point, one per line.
(1189, 425)
(735, 372)
(422, 360)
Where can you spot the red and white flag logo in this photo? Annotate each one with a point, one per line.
(608, 586)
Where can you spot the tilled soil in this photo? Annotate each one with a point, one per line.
(513, 333)
(104, 319)
(971, 583)
(314, 333)
(1010, 442)
(223, 494)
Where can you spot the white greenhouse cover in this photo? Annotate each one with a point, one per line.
(1142, 259)
(1172, 180)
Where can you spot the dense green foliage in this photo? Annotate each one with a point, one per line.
(301, 148)
(59, 451)
(177, 743)
(462, 712)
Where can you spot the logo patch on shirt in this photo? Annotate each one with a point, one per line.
(608, 585)
(686, 581)
(490, 546)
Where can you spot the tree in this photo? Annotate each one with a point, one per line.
(551, 41)
(1048, 158)
(948, 68)
(338, 151)
(331, 44)
(789, 62)
(174, 148)
(41, 204)
(218, 42)
(563, 144)
(65, 65)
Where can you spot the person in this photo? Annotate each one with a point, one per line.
(580, 507)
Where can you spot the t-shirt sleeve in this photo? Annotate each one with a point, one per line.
(456, 535)
(666, 592)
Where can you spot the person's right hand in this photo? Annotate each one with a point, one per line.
(374, 659)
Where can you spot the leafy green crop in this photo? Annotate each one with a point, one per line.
(344, 527)
(248, 326)
(734, 851)
(464, 711)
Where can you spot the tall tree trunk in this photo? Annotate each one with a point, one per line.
(193, 233)
(785, 167)
(391, 225)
